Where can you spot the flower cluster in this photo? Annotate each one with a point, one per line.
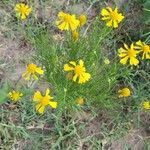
(77, 71)
(42, 102)
(130, 53)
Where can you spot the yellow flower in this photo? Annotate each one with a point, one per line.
(43, 101)
(15, 95)
(80, 101)
(125, 92)
(75, 35)
(31, 71)
(112, 17)
(146, 105)
(82, 19)
(78, 70)
(23, 10)
(66, 21)
(128, 53)
(106, 61)
(144, 48)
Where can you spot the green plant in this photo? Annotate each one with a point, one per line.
(53, 54)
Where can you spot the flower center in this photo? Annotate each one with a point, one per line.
(124, 93)
(23, 10)
(114, 15)
(45, 100)
(146, 48)
(67, 18)
(131, 53)
(15, 96)
(79, 70)
(32, 68)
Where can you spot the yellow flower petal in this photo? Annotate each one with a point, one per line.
(35, 77)
(124, 60)
(75, 77)
(64, 26)
(105, 18)
(47, 92)
(110, 23)
(23, 16)
(104, 12)
(85, 77)
(75, 35)
(122, 55)
(68, 68)
(39, 70)
(37, 96)
(115, 24)
(53, 104)
(126, 46)
(73, 63)
(121, 50)
(82, 19)
(81, 63)
(139, 43)
(75, 25)
(147, 56)
(134, 61)
(22, 5)
(109, 8)
(61, 14)
(40, 108)
(116, 10)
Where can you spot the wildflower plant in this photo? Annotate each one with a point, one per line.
(77, 65)
(76, 68)
(84, 69)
